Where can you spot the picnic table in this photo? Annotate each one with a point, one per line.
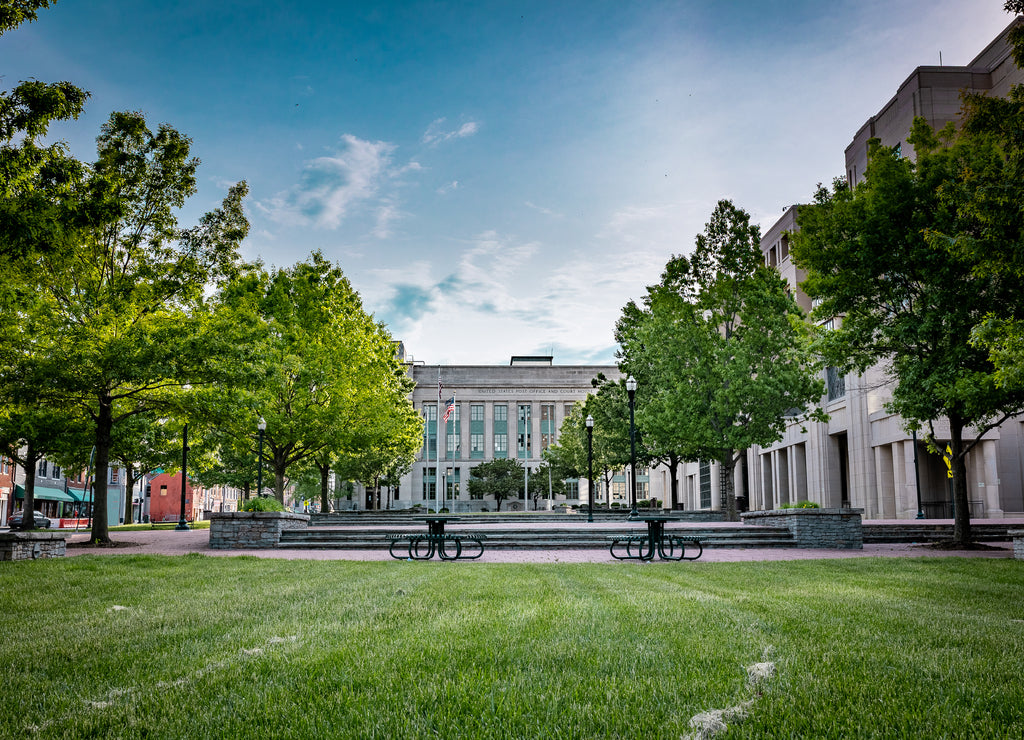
(435, 541)
(656, 542)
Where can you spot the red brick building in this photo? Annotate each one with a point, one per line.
(165, 499)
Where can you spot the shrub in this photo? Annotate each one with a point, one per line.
(263, 503)
(801, 505)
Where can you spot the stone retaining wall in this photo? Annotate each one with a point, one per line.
(834, 529)
(252, 530)
(1018, 543)
(32, 545)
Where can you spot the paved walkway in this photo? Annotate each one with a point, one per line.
(170, 542)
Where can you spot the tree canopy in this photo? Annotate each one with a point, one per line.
(500, 478)
(722, 349)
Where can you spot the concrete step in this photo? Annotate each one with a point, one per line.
(521, 537)
(912, 531)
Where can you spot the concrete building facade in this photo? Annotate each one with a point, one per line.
(510, 411)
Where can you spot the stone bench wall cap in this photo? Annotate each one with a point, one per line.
(14, 535)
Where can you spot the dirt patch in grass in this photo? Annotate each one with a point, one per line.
(101, 545)
(950, 545)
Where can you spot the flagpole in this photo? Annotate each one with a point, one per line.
(437, 431)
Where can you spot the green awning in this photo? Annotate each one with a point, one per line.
(80, 495)
(45, 494)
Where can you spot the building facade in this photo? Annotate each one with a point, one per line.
(509, 411)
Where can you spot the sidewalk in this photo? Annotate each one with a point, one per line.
(171, 542)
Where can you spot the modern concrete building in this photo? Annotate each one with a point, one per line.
(500, 411)
(934, 93)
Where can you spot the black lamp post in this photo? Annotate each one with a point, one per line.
(590, 468)
(182, 523)
(917, 477)
(262, 426)
(631, 390)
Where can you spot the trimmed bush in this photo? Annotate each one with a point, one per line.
(800, 505)
(263, 503)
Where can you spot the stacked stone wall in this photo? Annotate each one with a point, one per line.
(1018, 543)
(252, 530)
(32, 545)
(834, 529)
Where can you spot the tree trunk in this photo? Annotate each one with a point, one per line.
(728, 490)
(673, 464)
(28, 518)
(129, 485)
(325, 474)
(279, 482)
(962, 511)
(104, 426)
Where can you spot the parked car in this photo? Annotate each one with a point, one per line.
(39, 521)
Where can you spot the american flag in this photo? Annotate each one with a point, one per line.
(449, 407)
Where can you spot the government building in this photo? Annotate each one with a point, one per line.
(509, 411)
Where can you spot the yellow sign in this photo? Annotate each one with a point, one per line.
(948, 459)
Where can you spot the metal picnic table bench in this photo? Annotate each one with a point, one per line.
(655, 542)
(424, 545)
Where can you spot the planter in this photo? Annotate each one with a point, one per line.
(32, 545)
(252, 530)
(832, 529)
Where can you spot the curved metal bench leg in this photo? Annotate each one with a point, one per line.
(619, 557)
(476, 541)
(391, 549)
(414, 548)
(442, 549)
(669, 553)
(700, 550)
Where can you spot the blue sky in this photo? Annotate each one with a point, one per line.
(497, 178)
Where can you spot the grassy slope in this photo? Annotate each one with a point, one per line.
(140, 646)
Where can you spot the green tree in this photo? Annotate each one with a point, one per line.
(878, 257)
(327, 382)
(116, 320)
(721, 345)
(501, 479)
(15, 12)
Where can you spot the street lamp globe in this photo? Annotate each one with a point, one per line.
(631, 384)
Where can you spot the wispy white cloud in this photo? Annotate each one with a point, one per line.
(437, 132)
(545, 211)
(448, 187)
(506, 296)
(332, 185)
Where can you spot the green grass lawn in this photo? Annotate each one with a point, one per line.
(195, 646)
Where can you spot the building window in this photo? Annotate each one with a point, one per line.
(835, 382)
(500, 412)
(705, 485)
(163, 490)
(429, 483)
(476, 412)
(56, 472)
(476, 446)
(572, 488)
(430, 430)
(500, 445)
(618, 487)
(524, 441)
(454, 446)
(547, 425)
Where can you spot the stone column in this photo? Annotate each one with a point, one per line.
(990, 479)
